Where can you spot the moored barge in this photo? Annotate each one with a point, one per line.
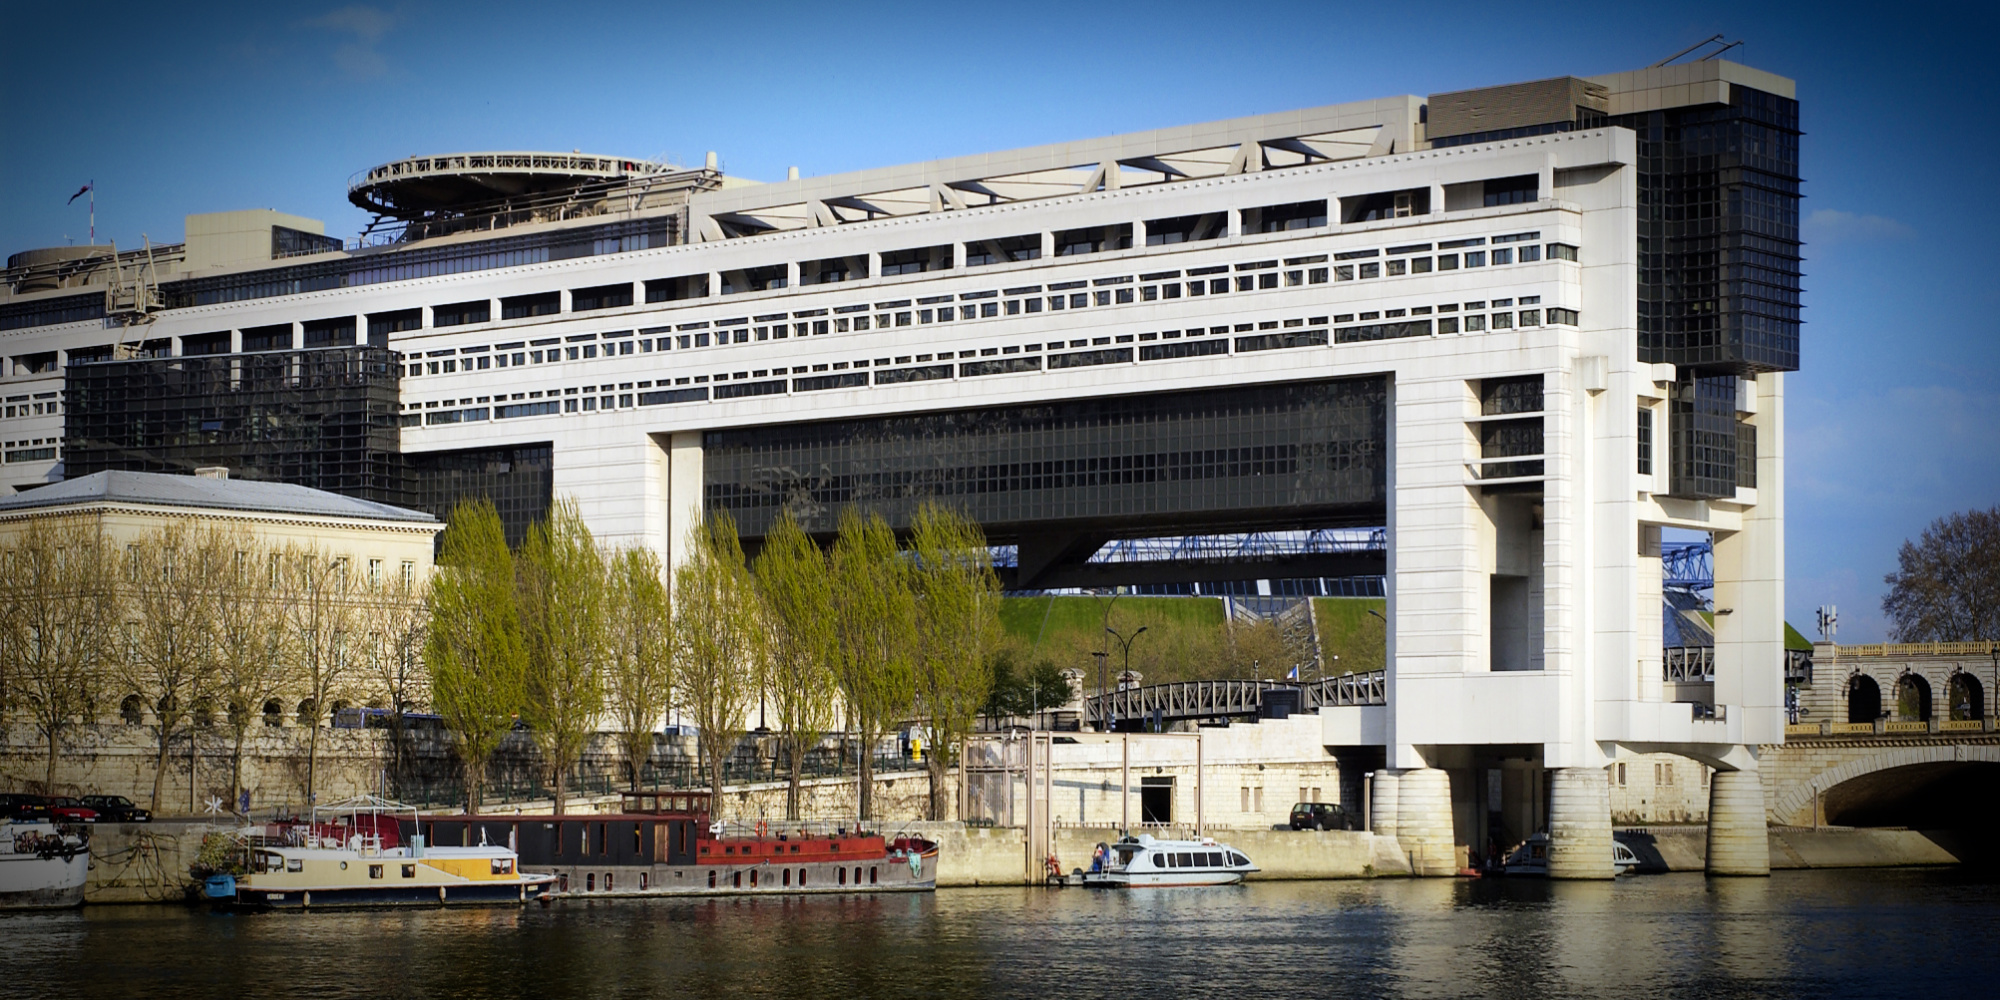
(664, 844)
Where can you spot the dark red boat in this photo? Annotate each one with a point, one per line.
(664, 844)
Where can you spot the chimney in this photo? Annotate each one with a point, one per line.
(212, 472)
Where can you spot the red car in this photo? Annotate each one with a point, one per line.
(64, 809)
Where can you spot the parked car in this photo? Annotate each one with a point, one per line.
(65, 809)
(117, 809)
(23, 807)
(1322, 816)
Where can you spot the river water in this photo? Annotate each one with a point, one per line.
(1924, 933)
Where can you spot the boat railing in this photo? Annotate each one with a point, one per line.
(797, 829)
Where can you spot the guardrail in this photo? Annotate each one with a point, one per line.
(1919, 649)
(1887, 727)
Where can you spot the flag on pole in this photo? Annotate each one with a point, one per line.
(1294, 675)
(80, 192)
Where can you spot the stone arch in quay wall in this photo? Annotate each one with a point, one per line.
(1800, 772)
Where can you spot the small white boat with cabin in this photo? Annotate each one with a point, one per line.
(1532, 858)
(43, 865)
(1144, 862)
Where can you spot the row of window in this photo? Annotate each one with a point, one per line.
(1239, 338)
(1027, 300)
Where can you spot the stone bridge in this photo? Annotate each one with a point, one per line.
(1868, 778)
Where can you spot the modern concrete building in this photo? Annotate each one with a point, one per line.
(1523, 328)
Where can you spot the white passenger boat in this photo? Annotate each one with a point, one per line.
(1144, 862)
(43, 865)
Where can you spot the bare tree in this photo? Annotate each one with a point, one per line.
(476, 650)
(958, 630)
(1946, 587)
(169, 575)
(639, 653)
(718, 640)
(798, 589)
(320, 614)
(562, 588)
(246, 638)
(874, 616)
(59, 624)
(395, 621)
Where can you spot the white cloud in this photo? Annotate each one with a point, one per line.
(1827, 226)
(359, 58)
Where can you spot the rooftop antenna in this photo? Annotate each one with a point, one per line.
(1718, 52)
(1711, 40)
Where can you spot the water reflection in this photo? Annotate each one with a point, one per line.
(1795, 934)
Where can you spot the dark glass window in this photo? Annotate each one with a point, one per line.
(519, 479)
(1302, 453)
(1701, 444)
(525, 306)
(1510, 395)
(461, 313)
(1645, 441)
(600, 297)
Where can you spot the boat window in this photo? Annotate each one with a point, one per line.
(1184, 860)
(294, 865)
(374, 871)
(1238, 859)
(503, 866)
(409, 871)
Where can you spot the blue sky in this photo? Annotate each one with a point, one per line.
(194, 107)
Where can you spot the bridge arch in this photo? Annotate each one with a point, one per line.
(1792, 803)
(1913, 697)
(1864, 698)
(1965, 697)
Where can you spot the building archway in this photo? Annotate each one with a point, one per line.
(132, 711)
(274, 713)
(1913, 698)
(1965, 698)
(1864, 699)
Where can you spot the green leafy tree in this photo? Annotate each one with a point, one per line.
(1020, 688)
(562, 593)
(874, 626)
(639, 653)
(957, 631)
(476, 650)
(798, 589)
(60, 624)
(719, 640)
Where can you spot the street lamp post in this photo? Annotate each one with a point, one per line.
(1103, 692)
(1126, 645)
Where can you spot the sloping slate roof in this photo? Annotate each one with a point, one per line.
(197, 491)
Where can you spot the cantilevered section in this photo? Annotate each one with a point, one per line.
(1165, 156)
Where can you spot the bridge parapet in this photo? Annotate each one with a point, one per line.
(1189, 700)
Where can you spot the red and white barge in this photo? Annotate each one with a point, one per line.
(664, 843)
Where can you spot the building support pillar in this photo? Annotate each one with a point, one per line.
(1423, 821)
(1738, 840)
(1382, 807)
(1580, 824)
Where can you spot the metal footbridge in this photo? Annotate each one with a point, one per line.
(1195, 700)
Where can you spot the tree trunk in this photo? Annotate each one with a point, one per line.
(474, 772)
(560, 781)
(792, 794)
(714, 778)
(867, 778)
(312, 762)
(160, 768)
(55, 751)
(934, 763)
(236, 770)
